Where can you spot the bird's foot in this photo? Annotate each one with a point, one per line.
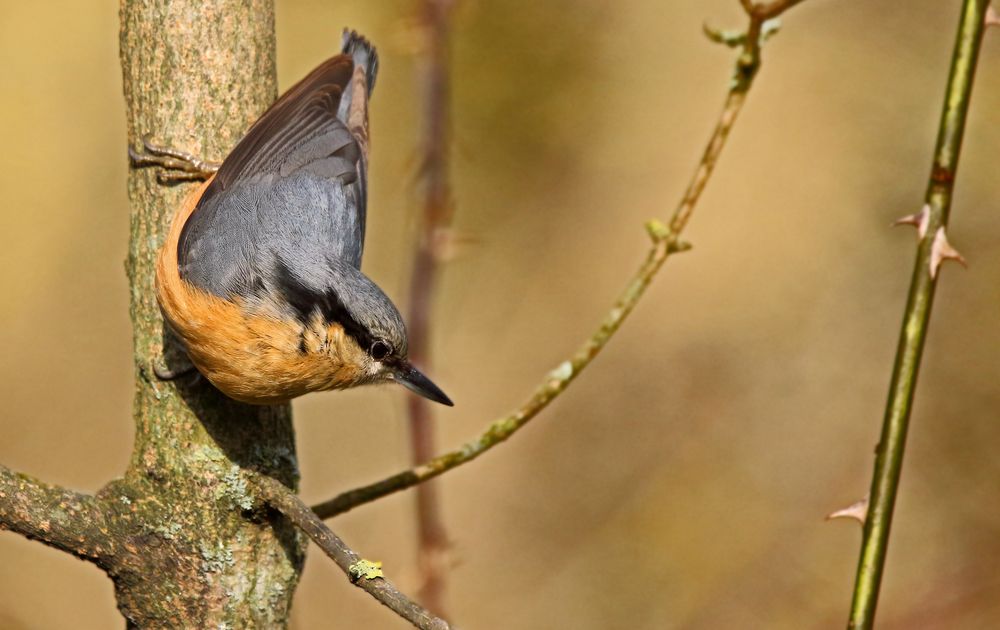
(157, 371)
(177, 165)
(165, 373)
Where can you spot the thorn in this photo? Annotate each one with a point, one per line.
(992, 17)
(942, 250)
(858, 511)
(910, 219)
(918, 220)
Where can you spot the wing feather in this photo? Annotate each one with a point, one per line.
(290, 198)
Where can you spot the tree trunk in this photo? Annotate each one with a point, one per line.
(189, 552)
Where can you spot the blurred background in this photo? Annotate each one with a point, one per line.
(682, 481)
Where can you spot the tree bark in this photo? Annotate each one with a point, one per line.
(189, 550)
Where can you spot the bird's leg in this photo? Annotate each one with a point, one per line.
(177, 165)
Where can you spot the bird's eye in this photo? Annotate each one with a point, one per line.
(380, 350)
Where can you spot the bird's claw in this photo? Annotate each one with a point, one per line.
(177, 165)
(165, 373)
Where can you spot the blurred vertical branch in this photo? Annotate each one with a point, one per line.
(432, 241)
(932, 250)
(666, 241)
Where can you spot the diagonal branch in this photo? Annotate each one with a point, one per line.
(362, 573)
(66, 520)
(932, 248)
(666, 241)
(555, 383)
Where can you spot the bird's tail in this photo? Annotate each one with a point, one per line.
(364, 55)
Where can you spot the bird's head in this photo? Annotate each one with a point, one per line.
(375, 325)
(370, 335)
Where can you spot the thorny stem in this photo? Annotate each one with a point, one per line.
(432, 538)
(666, 241)
(889, 454)
(291, 506)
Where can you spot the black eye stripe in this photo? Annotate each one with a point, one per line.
(306, 301)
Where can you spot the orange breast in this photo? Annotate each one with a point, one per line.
(249, 354)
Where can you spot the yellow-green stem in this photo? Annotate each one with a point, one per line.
(889, 454)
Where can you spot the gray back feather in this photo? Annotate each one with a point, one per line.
(283, 222)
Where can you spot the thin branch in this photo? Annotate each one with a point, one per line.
(746, 70)
(438, 211)
(362, 573)
(69, 521)
(666, 241)
(773, 9)
(749, 62)
(555, 383)
(889, 455)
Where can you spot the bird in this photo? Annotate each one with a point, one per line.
(260, 274)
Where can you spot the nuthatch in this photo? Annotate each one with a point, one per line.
(260, 272)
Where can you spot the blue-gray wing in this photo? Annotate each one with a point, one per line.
(290, 198)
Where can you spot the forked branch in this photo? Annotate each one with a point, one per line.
(432, 236)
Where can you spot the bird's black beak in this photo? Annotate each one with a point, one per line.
(411, 378)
